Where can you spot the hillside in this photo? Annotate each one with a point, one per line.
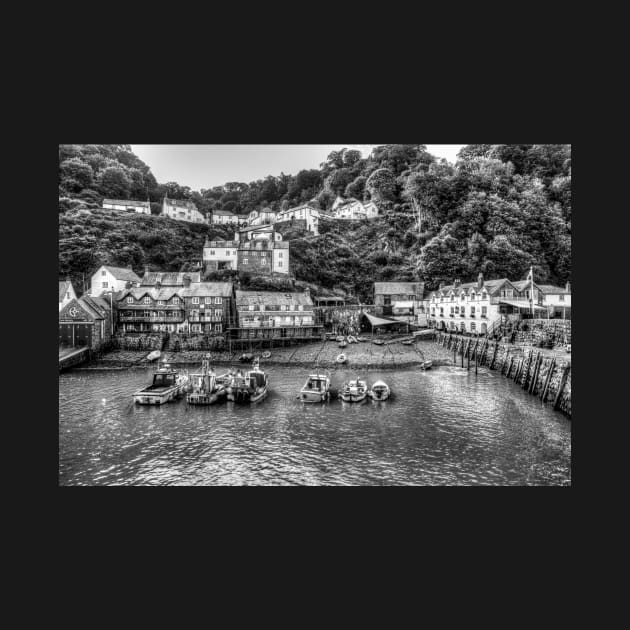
(499, 210)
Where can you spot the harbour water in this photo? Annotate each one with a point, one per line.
(446, 426)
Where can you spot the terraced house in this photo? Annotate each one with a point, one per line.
(128, 205)
(478, 307)
(182, 210)
(273, 315)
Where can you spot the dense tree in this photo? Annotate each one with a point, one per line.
(114, 182)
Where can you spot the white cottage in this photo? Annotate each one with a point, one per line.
(305, 212)
(182, 210)
(66, 293)
(115, 279)
(128, 205)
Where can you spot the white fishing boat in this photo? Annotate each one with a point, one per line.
(354, 391)
(380, 391)
(250, 387)
(378, 342)
(316, 388)
(352, 339)
(426, 365)
(152, 356)
(168, 384)
(341, 358)
(204, 387)
(339, 338)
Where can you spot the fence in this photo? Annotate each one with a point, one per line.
(548, 378)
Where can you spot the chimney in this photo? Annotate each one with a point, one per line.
(441, 286)
(128, 284)
(480, 281)
(158, 284)
(307, 292)
(187, 281)
(457, 282)
(146, 269)
(568, 287)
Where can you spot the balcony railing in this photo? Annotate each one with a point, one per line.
(206, 318)
(156, 320)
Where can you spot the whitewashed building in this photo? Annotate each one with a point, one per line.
(557, 300)
(182, 210)
(223, 217)
(107, 279)
(353, 210)
(220, 254)
(261, 217)
(305, 212)
(128, 205)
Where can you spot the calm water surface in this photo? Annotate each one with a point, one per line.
(444, 426)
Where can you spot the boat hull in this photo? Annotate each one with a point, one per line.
(313, 397)
(205, 399)
(346, 397)
(157, 398)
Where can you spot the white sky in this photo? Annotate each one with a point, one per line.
(207, 165)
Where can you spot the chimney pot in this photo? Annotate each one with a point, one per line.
(186, 280)
(480, 281)
(568, 287)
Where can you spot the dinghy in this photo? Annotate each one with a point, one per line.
(409, 342)
(339, 338)
(342, 344)
(266, 354)
(316, 389)
(354, 391)
(342, 358)
(380, 391)
(427, 365)
(152, 356)
(378, 342)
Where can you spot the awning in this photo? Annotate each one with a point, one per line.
(522, 304)
(402, 304)
(377, 321)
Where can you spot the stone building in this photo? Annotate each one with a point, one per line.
(128, 205)
(224, 217)
(398, 298)
(87, 321)
(261, 251)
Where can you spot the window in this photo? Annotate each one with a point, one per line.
(263, 254)
(212, 252)
(218, 312)
(195, 300)
(103, 273)
(560, 298)
(175, 300)
(160, 302)
(218, 300)
(68, 295)
(251, 307)
(146, 313)
(473, 326)
(104, 285)
(147, 300)
(484, 311)
(457, 309)
(300, 307)
(472, 311)
(441, 311)
(283, 307)
(130, 300)
(196, 327)
(462, 311)
(279, 254)
(244, 261)
(484, 296)
(279, 263)
(218, 327)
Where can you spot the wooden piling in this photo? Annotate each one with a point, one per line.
(510, 367)
(552, 366)
(532, 385)
(563, 381)
(494, 355)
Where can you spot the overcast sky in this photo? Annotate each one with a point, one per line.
(207, 165)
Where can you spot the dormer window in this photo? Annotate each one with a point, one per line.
(484, 296)
(130, 300)
(463, 296)
(195, 300)
(147, 300)
(175, 300)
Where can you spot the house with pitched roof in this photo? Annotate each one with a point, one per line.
(557, 300)
(170, 306)
(107, 279)
(182, 210)
(66, 292)
(168, 278)
(353, 210)
(128, 205)
(477, 307)
(224, 217)
(397, 298)
(274, 315)
(87, 321)
(261, 217)
(306, 212)
(220, 254)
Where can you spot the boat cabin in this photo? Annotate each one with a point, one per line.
(316, 382)
(256, 379)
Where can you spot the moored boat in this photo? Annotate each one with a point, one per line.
(380, 391)
(339, 338)
(408, 342)
(266, 354)
(204, 387)
(341, 358)
(427, 365)
(248, 388)
(316, 388)
(168, 384)
(152, 356)
(342, 344)
(378, 342)
(354, 391)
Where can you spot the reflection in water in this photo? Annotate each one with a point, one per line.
(444, 426)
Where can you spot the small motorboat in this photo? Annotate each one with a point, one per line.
(339, 338)
(168, 384)
(380, 391)
(152, 356)
(248, 388)
(426, 365)
(378, 342)
(342, 358)
(204, 387)
(246, 357)
(266, 354)
(352, 339)
(343, 344)
(361, 339)
(408, 342)
(354, 391)
(316, 389)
